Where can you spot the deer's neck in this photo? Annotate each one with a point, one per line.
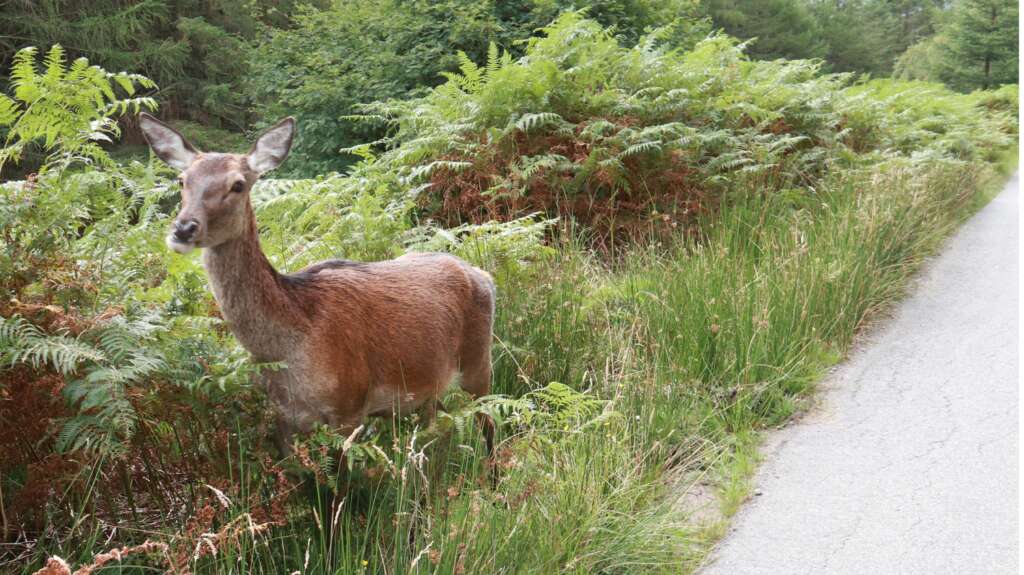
(259, 310)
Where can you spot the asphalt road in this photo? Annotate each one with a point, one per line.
(910, 463)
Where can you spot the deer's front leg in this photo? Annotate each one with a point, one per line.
(296, 410)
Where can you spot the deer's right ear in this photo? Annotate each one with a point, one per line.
(272, 147)
(169, 145)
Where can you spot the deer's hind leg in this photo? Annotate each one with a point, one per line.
(475, 352)
(476, 381)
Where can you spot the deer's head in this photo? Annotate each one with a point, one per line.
(214, 187)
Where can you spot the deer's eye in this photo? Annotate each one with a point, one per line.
(238, 187)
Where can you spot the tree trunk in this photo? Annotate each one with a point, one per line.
(988, 54)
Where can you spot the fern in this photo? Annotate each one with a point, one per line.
(65, 108)
(21, 342)
(528, 167)
(494, 59)
(554, 407)
(425, 170)
(106, 419)
(637, 120)
(530, 122)
(102, 364)
(470, 78)
(642, 148)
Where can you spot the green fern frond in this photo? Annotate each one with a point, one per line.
(54, 65)
(24, 77)
(66, 109)
(529, 122)
(493, 60)
(24, 343)
(8, 110)
(642, 148)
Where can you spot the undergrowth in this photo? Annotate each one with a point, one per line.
(683, 242)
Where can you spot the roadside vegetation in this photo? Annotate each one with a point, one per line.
(684, 240)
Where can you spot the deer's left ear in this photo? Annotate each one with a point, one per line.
(271, 149)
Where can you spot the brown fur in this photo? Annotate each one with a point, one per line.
(358, 339)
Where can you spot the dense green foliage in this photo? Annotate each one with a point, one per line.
(748, 217)
(983, 45)
(868, 36)
(863, 36)
(224, 66)
(923, 61)
(779, 28)
(363, 51)
(353, 53)
(975, 47)
(195, 50)
(66, 110)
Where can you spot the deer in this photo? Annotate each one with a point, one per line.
(357, 339)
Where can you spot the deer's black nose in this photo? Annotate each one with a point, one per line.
(183, 231)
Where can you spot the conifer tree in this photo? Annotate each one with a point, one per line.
(982, 51)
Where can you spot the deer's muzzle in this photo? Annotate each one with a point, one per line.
(183, 235)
